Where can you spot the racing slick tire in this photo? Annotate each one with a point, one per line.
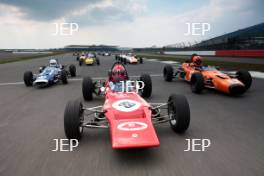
(77, 58)
(197, 83)
(97, 61)
(141, 60)
(168, 73)
(64, 78)
(72, 70)
(245, 78)
(125, 61)
(80, 63)
(179, 113)
(73, 117)
(147, 89)
(87, 88)
(28, 78)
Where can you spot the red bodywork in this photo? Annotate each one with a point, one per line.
(129, 118)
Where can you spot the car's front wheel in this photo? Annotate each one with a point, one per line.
(179, 113)
(64, 78)
(147, 89)
(73, 118)
(87, 88)
(245, 78)
(72, 70)
(28, 78)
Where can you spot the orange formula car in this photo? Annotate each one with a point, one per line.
(200, 76)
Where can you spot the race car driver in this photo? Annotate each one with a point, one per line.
(197, 62)
(118, 76)
(53, 63)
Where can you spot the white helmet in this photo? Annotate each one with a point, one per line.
(52, 63)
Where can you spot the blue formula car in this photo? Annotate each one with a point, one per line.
(49, 75)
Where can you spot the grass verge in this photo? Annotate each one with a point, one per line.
(23, 58)
(221, 64)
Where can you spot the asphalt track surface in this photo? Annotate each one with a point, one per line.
(31, 118)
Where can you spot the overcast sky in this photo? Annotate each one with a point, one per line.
(126, 23)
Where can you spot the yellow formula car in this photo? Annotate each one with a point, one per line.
(89, 59)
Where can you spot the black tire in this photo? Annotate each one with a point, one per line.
(141, 60)
(147, 90)
(77, 58)
(87, 88)
(125, 61)
(73, 117)
(197, 83)
(28, 78)
(97, 61)
(179, 113)
(168, 73)
(72, 70)
(245, 78)
(64, 78)
(80, 63)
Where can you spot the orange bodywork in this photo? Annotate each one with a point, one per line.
(212, 78)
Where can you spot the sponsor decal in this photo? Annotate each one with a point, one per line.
(132, 126)
(126, 105)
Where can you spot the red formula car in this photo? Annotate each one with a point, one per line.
(128, 116)
(200, 76)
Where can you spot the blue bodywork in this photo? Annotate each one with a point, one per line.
(48, 76)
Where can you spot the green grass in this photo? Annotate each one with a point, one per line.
(23, 58)
(221, 64)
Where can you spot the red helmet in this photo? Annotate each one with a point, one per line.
(118, 73)
(197, 61)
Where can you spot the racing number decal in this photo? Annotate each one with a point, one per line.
(132, 126)
(126, 105)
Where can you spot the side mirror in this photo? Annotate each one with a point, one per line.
(40, 69)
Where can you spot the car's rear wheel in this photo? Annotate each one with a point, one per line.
(147, 89)
(168, 73)
(64, 78)
(197, 83)
(179, 113)
(72, 70)
(73, 118)
(28, 78)
(245, 78)
(141, 60)
(80, 63)
(87, 88)
(97, 61)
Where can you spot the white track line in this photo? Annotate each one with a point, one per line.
(71, 79)
(11, 83)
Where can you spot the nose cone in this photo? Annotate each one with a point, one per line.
(41, 82)
(237, 90)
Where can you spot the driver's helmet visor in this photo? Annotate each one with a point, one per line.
(53, 64)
